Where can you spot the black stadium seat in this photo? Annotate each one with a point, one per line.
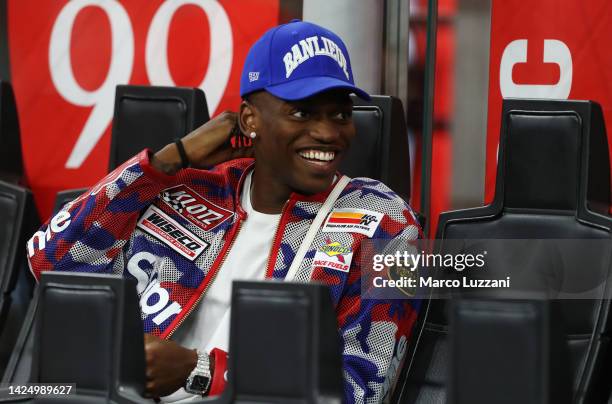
(530, 367)
(18, 221)
(13, 201)
(380, 148)
(101, 346)
(148, 116)
(18, 368)
(63, 197)
(553, 182)
(11, 161)
(306, 365)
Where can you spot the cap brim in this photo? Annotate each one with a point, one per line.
(307, 87)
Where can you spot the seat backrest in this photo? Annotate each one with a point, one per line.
(11, 160)
(19, 366)
(305, 366)
(17, 222)
(13, 217)
(524, 364)
(148, 116)
(553, 182)
(380, 147)
(101, 346)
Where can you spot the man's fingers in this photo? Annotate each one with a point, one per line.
(148, 339)
(243, 152)
(150, 391)
(149, 346)
(167, 365)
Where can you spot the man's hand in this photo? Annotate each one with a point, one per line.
(208, 145)
(168, 366)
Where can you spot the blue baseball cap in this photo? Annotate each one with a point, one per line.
(296, 60)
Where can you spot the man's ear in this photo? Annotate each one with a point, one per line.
(247, 117)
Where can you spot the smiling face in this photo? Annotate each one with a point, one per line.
(299, 144)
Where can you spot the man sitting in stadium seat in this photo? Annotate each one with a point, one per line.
(185, 233)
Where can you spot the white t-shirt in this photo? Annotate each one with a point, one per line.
(207, 327)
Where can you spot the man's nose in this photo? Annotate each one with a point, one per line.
(325, 131)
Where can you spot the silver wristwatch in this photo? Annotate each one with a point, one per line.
(199, 379)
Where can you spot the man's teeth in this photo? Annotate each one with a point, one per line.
(317, 155)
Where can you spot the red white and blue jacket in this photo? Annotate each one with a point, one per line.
(172, 233)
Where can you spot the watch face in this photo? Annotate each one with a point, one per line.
(199, 383)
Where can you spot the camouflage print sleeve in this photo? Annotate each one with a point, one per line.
(90, 232)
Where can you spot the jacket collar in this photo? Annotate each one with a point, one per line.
(294, 196)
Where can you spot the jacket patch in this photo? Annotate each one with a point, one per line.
(333, 255)
(158, 224)
(194, 207)
(353, 221)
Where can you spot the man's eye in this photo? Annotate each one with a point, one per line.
(299, 114)
(343, 116)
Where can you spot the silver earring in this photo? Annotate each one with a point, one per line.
(252, 135)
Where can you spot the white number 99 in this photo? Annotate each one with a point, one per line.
(122, 59)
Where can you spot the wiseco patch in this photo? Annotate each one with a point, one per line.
(161, 226)
(353, 221)
(194, 207)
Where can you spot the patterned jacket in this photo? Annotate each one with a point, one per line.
(171, 233)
